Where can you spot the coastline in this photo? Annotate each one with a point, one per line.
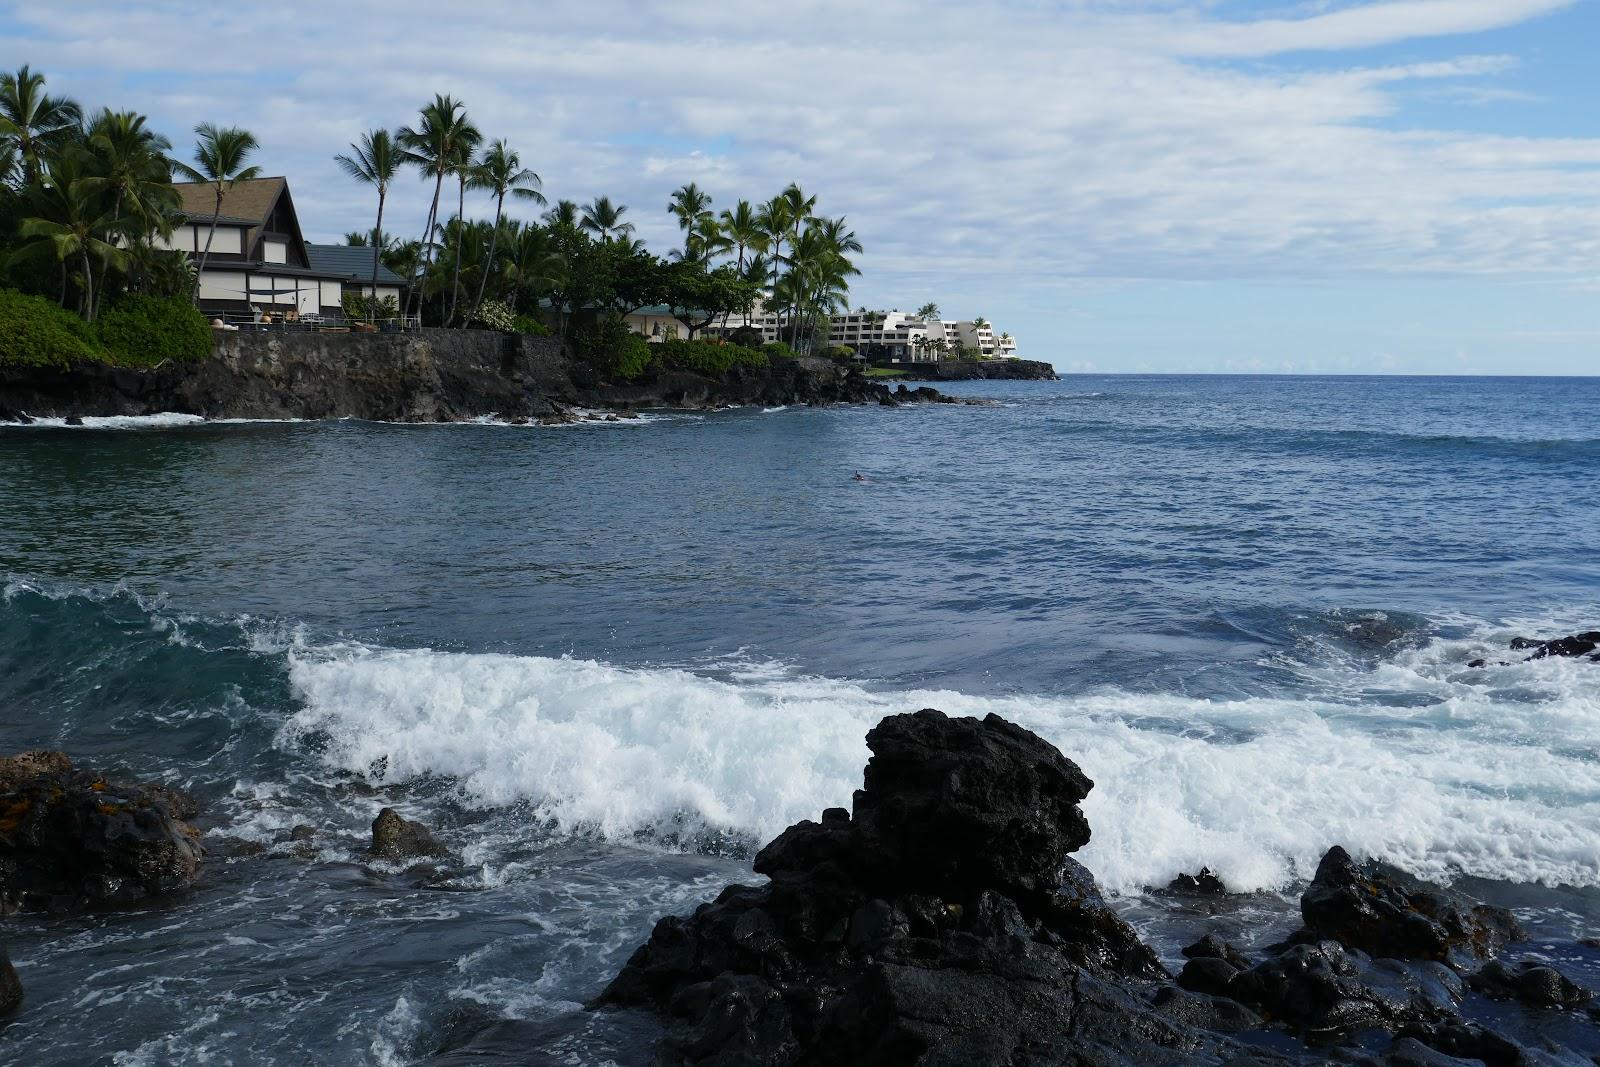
(430, 376)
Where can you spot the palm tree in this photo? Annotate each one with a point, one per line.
(743, 227)
(565, 213)
(220, 157)
(928, 312)
(127, 160)
(533, 266)
(463, 165)
(33, 121)
(374, 161)
(433, 147)
(604, 219)
(690, 204)
(69, 221)
(501, 172)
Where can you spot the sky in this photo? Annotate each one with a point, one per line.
(1390, 186)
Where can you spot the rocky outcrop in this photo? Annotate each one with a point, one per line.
(954, 370)
(72, 839)
(398, 838)
(1571, 647)
(942, 920)
(424, 376)
(10, 985)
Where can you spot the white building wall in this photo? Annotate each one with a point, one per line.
(275, 251)
(221, 285)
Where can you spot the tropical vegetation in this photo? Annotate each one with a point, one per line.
(86, 205)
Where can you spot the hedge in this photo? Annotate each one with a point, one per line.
(706, 357)
(37, 332)
(142, 331)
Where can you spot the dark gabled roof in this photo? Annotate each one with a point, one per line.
(204, 218)
(250, 201)
(353, 261)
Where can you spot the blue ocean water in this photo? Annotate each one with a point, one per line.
(604, 660)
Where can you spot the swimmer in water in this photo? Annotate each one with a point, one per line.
(860, 477)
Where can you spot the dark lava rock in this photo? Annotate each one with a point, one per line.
(1325, 988)
(397, 838)
(943, 921)
(1383, 911)
(1203, 884)
(940, 922)
(10, 985)
(1533, 984)
(71, 839)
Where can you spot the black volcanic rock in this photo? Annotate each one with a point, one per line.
(395, 837)
(1571, 647)
(1384, 911)
(1533, 984)
(943, 921)
(10, 985)
(71, 839)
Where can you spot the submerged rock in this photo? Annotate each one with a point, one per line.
(1384, 911)
(10, 985)
(70, 839)
(1572, 647)
(1533, 984)
(397, 838)
(1203, 884)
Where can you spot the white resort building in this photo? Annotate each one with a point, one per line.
(899, 337)
(260, 264)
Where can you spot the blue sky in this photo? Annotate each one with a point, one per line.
(1391, 186)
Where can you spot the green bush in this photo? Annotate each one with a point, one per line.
(708, 357)
(495, 315)
(838, 353)
(778, 349)
(359, 307)
(142, 331)
(529, 325)
(36, 332)
(613, 349)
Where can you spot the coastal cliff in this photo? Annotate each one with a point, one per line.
(961, 370)
(427, 376)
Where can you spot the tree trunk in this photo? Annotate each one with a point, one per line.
(88, 286)
(494, 241)
(377, 254)
(455, 281)
(210, 235)
(427, 247)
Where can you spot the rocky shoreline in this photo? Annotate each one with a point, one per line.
(964, 370)
(428, 376)
(942, 921)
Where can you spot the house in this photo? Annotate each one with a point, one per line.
(260, 261)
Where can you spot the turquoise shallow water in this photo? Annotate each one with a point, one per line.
(604, 660)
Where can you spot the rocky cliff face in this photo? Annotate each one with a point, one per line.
(428, 376)
(971, 369)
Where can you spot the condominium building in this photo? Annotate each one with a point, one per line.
(899, 337)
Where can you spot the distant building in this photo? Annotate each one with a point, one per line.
(259, 260)
(898, 337)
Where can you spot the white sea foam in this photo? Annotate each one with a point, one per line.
(164, 420)
(1496, 773)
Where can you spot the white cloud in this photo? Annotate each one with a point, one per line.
(992, 150)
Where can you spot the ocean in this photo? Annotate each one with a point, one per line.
(604, 662)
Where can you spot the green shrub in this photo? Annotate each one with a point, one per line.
(613, 349)
(359, 307)
(142, 331)
(529, 325)
(838, 353)
(778, 349)
(36, 332)
(495, 315)
(708, 357)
